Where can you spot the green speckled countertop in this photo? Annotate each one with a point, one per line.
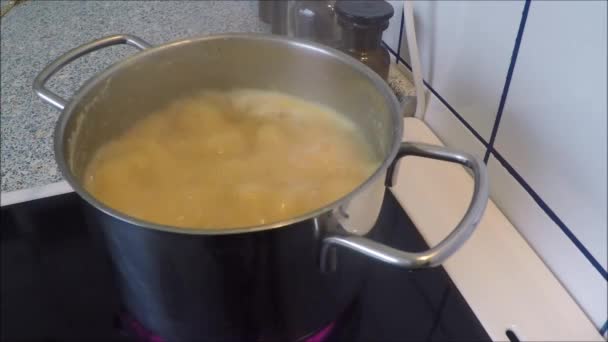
(36, 32)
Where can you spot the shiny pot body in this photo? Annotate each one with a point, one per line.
(252, 286)
(245, 283)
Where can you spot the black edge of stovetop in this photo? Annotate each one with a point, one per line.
(57, 284)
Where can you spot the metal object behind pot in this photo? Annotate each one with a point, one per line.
(191, 284)
(265, 10)
(281, 20)
(316, 20)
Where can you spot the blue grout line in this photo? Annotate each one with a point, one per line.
(551, 214)
(505, 90)
(400, 36)
(391, 51)
(445, 103)
(458, 116)
(604, 328)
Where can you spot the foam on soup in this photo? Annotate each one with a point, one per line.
(231, 159)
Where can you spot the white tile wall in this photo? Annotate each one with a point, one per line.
(582, 280)
(451, 131)
(391, 34)
(553, 129)
(465, 49)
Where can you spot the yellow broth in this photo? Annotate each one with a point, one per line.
(230, 159)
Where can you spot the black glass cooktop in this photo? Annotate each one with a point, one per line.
(57, 284)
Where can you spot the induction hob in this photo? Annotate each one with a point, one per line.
(57, 284)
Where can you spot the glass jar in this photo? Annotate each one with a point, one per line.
(362, 24)
(316, 20)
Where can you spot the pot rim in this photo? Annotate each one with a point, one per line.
(377, 81)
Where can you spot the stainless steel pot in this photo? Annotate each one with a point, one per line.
(252, 282)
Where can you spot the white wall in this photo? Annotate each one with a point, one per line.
(537, 111)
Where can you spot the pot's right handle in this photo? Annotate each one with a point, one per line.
(435, 255)
(51, 69)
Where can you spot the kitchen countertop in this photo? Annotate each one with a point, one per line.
(36, 32)
(500, 276)
(506, 284)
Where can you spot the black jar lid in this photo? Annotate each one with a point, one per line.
(365, 12)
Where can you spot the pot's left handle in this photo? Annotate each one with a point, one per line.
(51, 69)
